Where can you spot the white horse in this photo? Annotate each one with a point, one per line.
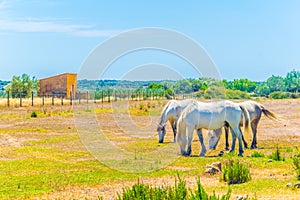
(210, 116)
(255, 111)
(171, 113)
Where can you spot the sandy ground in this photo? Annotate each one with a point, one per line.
(285, 131)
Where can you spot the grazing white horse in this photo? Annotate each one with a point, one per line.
(171, 113)
(210, 116)
(255, 111)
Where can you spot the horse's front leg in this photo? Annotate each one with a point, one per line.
(244, 141)
(201, 139)
(189, 142)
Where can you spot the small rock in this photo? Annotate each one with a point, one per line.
(270, 160)
(221, 153)
(210, 169)
(217, 165)
(242, 197)
(297, 185)
(289, 185)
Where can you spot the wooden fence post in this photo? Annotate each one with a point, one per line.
(20, 99)
(52, 99)
(79, 97)
(7, 98)
(43, 98)
(62, 99)
(108, 94)
(31, 98)
(87, 97)
(95, 97)
(71, 97)
(102, 96)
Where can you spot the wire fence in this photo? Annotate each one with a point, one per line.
(100, 96)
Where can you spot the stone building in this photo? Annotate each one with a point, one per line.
(59, 85)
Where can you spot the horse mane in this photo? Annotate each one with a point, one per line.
(163, 114)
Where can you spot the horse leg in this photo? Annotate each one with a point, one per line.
(174, 130)
(244, 141)
(226, 138)
(233, 135)
(189, 142)
(239, 136)
(254, 131)
(201, 139)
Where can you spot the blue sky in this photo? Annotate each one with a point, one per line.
(246, 39)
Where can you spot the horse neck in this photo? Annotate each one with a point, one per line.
(164, 117)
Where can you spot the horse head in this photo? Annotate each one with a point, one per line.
(161, 129)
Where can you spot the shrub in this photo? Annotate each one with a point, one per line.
(257, 154)
(235, 172)
(33, 114)
(276, 155)
(296, 162)
(178, 191)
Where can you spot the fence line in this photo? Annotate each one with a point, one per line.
(101, 96)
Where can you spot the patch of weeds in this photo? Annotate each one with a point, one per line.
(276, 155)
(178, 191)
(257, 154)
(296, 162)
(33, 114)
(235, 172)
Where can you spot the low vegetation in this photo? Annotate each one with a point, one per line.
(296, 163)
(235, 172)
(276, 155)
(177, 192)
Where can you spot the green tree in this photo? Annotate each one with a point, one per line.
(23, 84)
(292, 81)
(276, 83)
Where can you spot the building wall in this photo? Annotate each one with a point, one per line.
(59, 84)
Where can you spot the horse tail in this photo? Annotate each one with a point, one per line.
(269, 114)
(246, 118)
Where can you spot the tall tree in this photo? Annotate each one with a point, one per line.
(22, 84)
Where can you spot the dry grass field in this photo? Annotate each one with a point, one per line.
(45, 158)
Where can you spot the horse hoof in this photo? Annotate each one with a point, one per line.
(221, 153)
(226, 148)
(240, 155)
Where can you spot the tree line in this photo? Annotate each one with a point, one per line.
(274, 87)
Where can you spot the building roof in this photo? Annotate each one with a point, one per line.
(67, 73)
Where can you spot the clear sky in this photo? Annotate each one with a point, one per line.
(246, 39)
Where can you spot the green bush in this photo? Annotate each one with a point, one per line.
(284, 95)
(296, 162)
(236, 94)
(257, 154)
(33, 114)
(276, 155)
(235, 172)
(179, 191)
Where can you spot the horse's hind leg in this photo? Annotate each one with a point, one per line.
(173, 124)
(244, 141)
(189, 142)
(226, 137)
(254, 131)
(237, 131)
(233, 135)
(201, 139)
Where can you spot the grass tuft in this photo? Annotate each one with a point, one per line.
(235, 172)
